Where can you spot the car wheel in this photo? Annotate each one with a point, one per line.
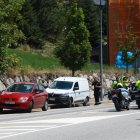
(29, 110)
(69, 103)
(138, 103)
(45, 107)
(86, 101)
(138, 106)
(1, 110)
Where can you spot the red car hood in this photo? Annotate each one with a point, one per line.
(15, 95)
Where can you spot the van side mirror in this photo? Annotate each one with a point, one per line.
(76, 88)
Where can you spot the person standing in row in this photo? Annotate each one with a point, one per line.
(97, 90)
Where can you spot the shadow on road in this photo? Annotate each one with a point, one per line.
(15, 112)
(64, 106)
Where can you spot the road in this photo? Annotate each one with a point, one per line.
(100, 122)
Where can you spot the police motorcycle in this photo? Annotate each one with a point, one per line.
(120, 97)
(135, 93)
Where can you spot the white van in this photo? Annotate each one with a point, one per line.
(69, 91)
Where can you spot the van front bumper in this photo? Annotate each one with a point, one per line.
(58, 99)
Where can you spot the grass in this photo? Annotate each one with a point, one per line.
(36, 61)
(40, 62)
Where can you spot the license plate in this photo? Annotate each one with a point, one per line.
(10, 103)
(52, 99)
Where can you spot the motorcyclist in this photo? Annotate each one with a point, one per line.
(125, 81)
(134, 88)
(115, 82)
(124, 92)
(137, 85)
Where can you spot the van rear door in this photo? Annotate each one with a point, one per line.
(84, 89)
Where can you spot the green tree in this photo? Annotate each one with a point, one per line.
(127, 44)
(74, 53)
(9, 32)
(91, 20)
(51, 17)
(30, 27)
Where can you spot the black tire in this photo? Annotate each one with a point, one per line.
(138, 103)
(1, 110)
(117, 105)
(128, 106)
(45, 107)
(69, 105)
(29, 110)
(86, 101)
(139, 106)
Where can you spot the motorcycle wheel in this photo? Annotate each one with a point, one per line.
(138, 103)
(128, 106)
(117, 105)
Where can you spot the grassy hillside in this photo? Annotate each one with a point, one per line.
(36, 61)
(39, 62)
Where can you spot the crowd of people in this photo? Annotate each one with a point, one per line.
(123, 82)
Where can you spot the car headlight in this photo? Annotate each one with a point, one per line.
(23, 99)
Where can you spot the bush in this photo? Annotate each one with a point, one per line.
(25, 47)
(13, 60)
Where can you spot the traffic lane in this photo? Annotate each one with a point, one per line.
(38, 113)
(11, 115)
(124, 126)
(69, 122)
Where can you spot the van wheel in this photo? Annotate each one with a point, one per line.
(69, 103)
(45, 107)
(86, 101)
(29, 110)
(1, 110)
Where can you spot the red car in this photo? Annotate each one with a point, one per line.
(24, 96)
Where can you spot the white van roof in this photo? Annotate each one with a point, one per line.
(73, 79)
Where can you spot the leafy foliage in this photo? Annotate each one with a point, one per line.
(91, 20)
(51, 17)
(9, 32)
(13, 60)
(128, 44)
(74, 53)
(29, 26)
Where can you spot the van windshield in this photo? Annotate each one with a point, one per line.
(61, 85)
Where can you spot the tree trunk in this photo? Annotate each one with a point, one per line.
(127, 67)
(73, 73)
(126, 63)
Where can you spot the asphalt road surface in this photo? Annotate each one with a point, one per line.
(100, 122)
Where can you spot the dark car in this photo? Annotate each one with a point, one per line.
(24, 96)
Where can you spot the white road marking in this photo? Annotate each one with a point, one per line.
(34, 114)
(13, 129)
(1, 133)
(37, 126)
(63, 122)
(68, 120)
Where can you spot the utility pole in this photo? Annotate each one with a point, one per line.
(101, 3)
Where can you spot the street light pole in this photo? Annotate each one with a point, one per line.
(101, 51)
(100, 3)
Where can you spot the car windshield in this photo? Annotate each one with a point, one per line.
(61, 85)
(20, 88)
